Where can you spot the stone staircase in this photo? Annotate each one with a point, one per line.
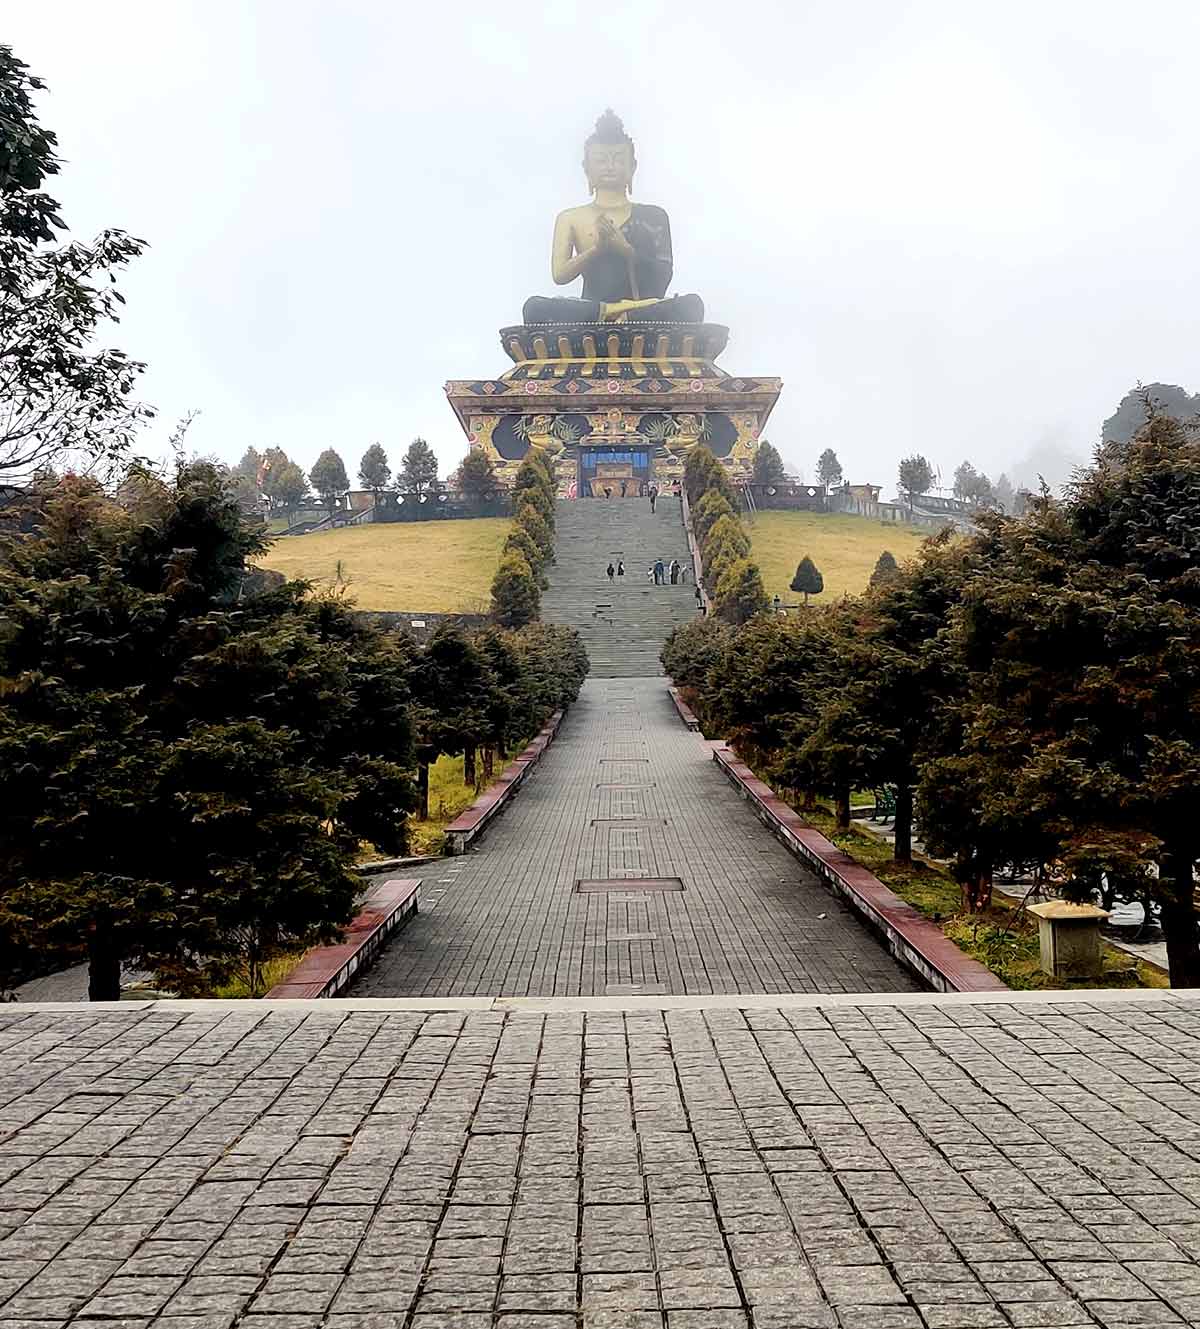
(623, 623)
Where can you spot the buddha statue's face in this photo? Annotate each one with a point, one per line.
(609, 165)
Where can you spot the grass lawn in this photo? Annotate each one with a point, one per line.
(1002, 938)
(439, 566)
(843, 547)
(448, 796)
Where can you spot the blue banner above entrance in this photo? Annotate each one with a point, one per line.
(589, 458)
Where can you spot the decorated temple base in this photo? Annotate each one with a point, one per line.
(620, 404)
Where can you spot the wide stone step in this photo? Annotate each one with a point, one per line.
(622, 623)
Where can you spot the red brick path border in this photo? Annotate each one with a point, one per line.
(912, 939)
(469, 825)
(686, 714)
(329, 970)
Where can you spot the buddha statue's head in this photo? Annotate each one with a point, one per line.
(608, 157)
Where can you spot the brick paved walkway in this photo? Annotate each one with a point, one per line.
(626, 791)
(910, 1164)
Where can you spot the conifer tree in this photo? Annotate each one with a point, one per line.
(419, 469)
(886, 569)
(829, 469)
(768, 465)
(515, 597)
(329, 478)
(374, 471)
(476, 476)
(808, 579)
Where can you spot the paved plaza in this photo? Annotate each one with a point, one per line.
(886, 1163)
(626, 792)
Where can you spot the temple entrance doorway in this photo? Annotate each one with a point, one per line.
(614, 472)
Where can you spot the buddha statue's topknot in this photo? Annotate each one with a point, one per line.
(609, 130)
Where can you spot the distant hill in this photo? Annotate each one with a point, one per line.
(1130, 415)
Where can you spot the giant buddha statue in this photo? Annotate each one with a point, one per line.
(619, 381)
(621, 249)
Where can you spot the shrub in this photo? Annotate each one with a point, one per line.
(729, 532)
(553, 665)
(531, 521)
(740, 594)
(703, 472)
(519, 541)
(534, 486)
(476, 476)
(516, 600)
(693, 649)
(808, 580)
(768, 465)
(545, 463)
(886, 569)
(708, 511)
(723, 557)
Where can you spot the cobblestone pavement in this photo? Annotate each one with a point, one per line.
(908, 1164)
(626, 792)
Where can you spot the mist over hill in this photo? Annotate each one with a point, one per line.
(1130, 415)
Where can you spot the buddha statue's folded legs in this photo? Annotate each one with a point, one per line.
(565, 309)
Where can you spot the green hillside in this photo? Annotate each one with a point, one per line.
(440, 566)
(844, 547)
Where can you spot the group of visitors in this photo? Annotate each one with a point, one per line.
(657, 572)
(650, 491)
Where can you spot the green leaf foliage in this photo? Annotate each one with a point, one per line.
(189, 771)
(726, 533)
(692, 649)
(374, 471)
(886, 570)
(516, 600)
(533, 485)
(419, 468)
(916, 475)
(185, 775)
(739, 592)
(64, 395)
(519, 541)
(529, 518)
(768, 465)
(708, 510)
(808, 580)
(476, 476)
(328, 477)
(829, 469)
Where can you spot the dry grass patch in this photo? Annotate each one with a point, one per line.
(439, 566)
(845, 549)
(1003, 938)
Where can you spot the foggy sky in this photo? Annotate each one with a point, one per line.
(964, 230)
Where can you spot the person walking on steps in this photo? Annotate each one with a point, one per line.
(610, 572)
(659, 572)
(607, 492)
(620, 568)
(653, 492)
(674, 572)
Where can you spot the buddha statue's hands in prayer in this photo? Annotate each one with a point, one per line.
(621, 249)
(609, 238)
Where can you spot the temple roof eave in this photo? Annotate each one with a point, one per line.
(719, 393)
